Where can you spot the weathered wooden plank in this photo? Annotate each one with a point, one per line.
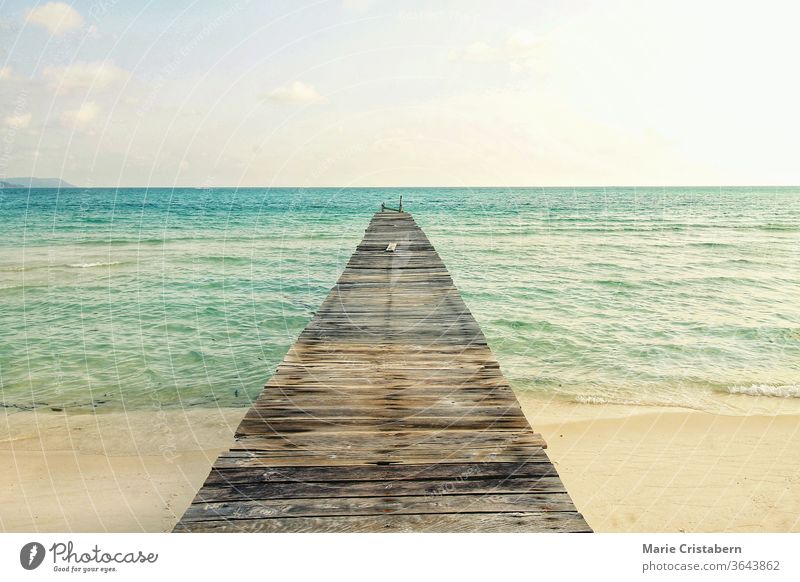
(364, 506)
(547, 483)
(239, 473)
(378, 440)
(563, 522)
(388, 457)
(402, 430)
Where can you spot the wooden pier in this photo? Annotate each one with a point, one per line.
(389, 413)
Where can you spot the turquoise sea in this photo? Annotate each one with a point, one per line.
(140, 298)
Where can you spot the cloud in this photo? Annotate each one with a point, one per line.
(82, 118)
(356, 5)
(478, 52)
(519, 47)
(18, 121)
(80, 75)
(296, 92)
(5, 73)
(56, 17)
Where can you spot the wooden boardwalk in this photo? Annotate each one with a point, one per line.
(389, 413)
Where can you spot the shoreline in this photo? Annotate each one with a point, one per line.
(628, 468)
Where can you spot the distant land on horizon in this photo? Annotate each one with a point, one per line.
(29, 182)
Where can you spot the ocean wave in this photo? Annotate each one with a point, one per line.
(90, 265)
(13, 287)
(648, 399)
(584, 399)
(776, 390)
(779, 227)
(615, 283)
(710, 244)
(231, 260)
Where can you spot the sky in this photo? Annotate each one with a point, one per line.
(400, 93)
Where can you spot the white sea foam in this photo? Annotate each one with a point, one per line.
(780, 391)
(582, 399)
(89, 265)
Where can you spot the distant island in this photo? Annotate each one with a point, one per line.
(35, 183)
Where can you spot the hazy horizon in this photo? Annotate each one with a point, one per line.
(409, 187)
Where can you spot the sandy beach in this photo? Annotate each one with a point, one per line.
(641, 469)
(114, 472)
(628, 468)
